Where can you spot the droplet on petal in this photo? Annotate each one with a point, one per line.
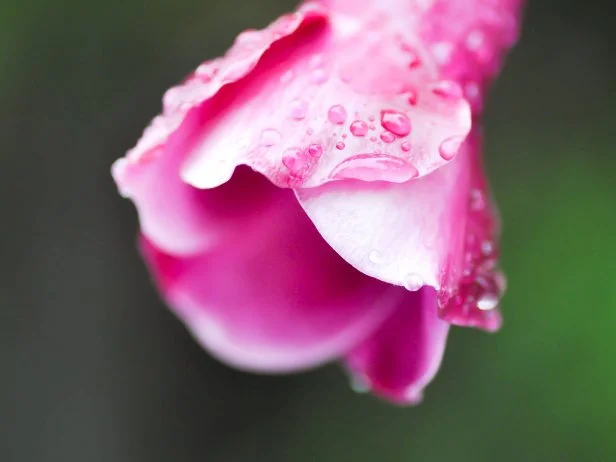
(315, 150)
(340, 145)
(375, 167)
(299, 109)
(447, 89)
(319, 76)
(412, 98)
(388, 137)
(450, 147)
(292, 159)
(413, 282)
(337, 114)
(396, 122)
(269, 137)
(359, 128)
(405, 146)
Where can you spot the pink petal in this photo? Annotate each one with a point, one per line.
(403, 356)
(468, 39)
(438, 231)
(276, 297)
(305, 92)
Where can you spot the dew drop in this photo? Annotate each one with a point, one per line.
(359, 128)
(388, 137)
(319, 76)
(412, 98)
(315, 150)
(287, 77)
(405, 146)
(487, 301)
(340, 145)
(337, 114)
(447, 89)
(270, 137)
(292, 159)
(477, 200)
(375, 257)
(414, 62)
(396, 122)
(450, 147)
(413, 282)
(299, 109)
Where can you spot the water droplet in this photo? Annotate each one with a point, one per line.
(405, 146)
(309, 131)
(447, 89)
(414, 61)
(269, 137)
(450, 147)
(315, 150)
(287, 77)
(487, 248)
(292, 159)
(299, 109)
(396, 122)
(316, 61)
(442, 52)
(413, 282)
(487, 301)
(375, 257)
(340, 145)
(474, 40)
(319, 76)
(412, 97)
(373, 138)
(337, 114)
(388, 137)
(477, 200)
(359, 128)
(359, 384)
(371, 118)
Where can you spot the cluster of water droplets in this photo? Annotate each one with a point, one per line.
(481, 284)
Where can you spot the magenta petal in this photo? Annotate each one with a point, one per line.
(276, 297)
(403, 356)
(438, 231)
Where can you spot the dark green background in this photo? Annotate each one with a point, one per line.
(94, 368)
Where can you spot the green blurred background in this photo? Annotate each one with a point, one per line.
(94, 368)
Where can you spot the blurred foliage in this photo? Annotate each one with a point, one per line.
(96, 369)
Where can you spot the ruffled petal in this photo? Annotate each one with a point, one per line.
(439, 231)
(403, 356)
(276, 297)
(339, 90)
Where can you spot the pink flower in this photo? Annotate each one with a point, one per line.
(317, 193)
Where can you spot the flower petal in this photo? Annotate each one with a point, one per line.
(468, 39)
(403, 356)
(275, 297)
(438, 231)
(337, 89)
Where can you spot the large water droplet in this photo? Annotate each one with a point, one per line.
(396, 122)
(269, 137)
(375, 167)
(359, 128)
(413, 282)
(337, 114)
(299, 109)
(450, 147)
(487, 301)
